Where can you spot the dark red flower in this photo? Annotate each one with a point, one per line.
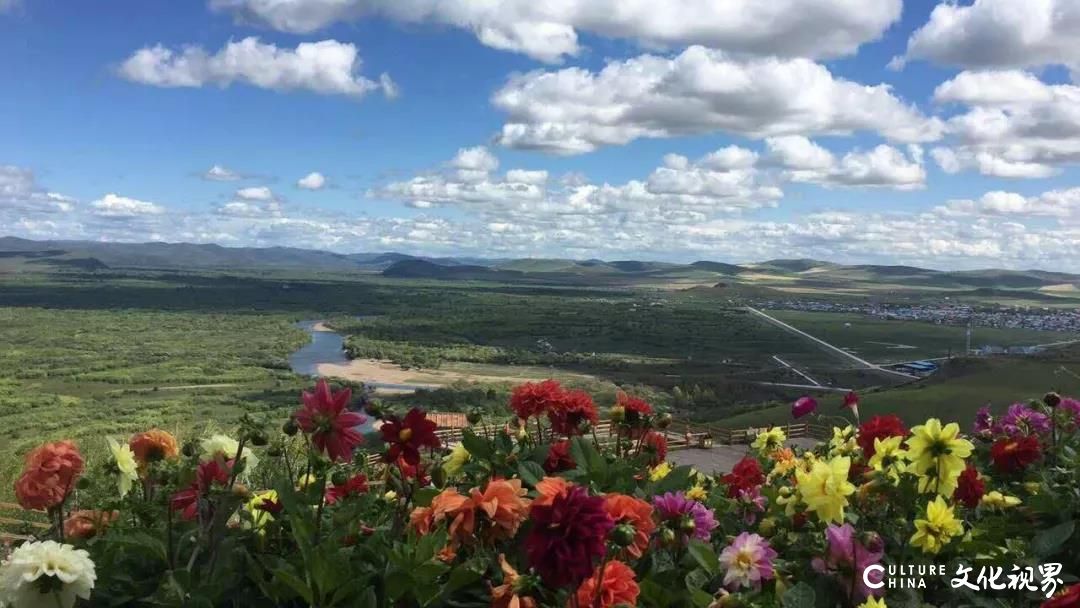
(271, 506)
(567, 537)
(634, 408)
(851, 401)
(655, 445)
(803, 405)
(357, 484)
(571, 409)
(1015, 454)
(746, 475)
(879, 427)
(534, 398)
(1068, 597)
(210, 473)
(331, 426)
(969, 488)
(857, 471)
(558, 458)
(408, 435)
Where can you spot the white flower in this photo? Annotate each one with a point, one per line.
(227, 446)
(63, 570)
(128, 469)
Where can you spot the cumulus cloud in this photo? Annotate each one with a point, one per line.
(548, 31)
(217, 173)
(20, 191)
(121, 207)
(327, 67)
(574, 110)
(255, 193)
(1056, 203)
(1000, 34)
(1011, 124)
(883, 166)
(312, 181)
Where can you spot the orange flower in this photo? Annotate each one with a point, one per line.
(448, 504)
(503, 503)
(50, 472)
(87, 524)
(637, 513)
(152, 446)
(618, 587)
(506, 594)
(549, 488)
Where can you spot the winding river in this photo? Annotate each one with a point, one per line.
(328, 346)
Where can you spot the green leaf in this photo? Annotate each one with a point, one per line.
(531, 473)
(799, 596)
(587, 457)
(478, 447)
(705, 556)
(294, 583)
(424, 496)
(677, 479)
(1048, 541)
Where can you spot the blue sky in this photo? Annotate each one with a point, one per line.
(859, 131)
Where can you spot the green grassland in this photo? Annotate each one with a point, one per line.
(882, 340)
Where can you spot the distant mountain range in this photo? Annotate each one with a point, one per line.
(90, 256)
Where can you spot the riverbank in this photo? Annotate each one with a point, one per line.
(385, 374)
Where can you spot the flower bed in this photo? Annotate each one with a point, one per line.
(876, 515)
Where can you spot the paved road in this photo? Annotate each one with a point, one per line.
(859, 360)
(721, 458)
(809, 387)
(797, 371)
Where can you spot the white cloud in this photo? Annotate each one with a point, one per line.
(255, 193)
(1000, 33)
(548, 31)
(312, 181)
(884, 166)
(699, 91)
(327, 67)
(1012, 124)
(8, 5)
(1056, 203)
(20, 191)
(121, 207)
(217, 173)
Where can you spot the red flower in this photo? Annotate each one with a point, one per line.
(412, 471)
(534, 398)
(567, 537)
(558, 458)
(210, 473)
(332, 427)
(879, 427)
(634, 407)
(803, 406)
(1015, 454)
(618, 587)
(655, 445)
(356, 485)
(1069, 597)
(407, 436)
(969, 488)
(50, 472)
(571, 409)
(744, 476)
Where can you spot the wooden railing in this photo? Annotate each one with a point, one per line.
(17, 524)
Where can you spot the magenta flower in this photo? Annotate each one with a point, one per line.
(747, 561)
(847, 558)
(984, 423)
(751, 502)
(567, 537)
(803, 405)
(1022, 420)
(681, 513)
(331, 426)
(1072, 409)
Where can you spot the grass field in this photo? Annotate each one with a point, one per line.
(887, 341)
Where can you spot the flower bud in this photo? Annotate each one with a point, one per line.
(687, 525)
(667, 536)
(339, 478)
(474, 416)
(767, 527)
(1052, 399)
(290, 427)
(241, 491)
(258, 439)
(275, 452)
(623, 535)
(663, 421)
(617, 413)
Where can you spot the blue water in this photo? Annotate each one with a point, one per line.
(325, 347)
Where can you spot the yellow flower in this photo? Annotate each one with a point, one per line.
(789, 499)
(1032, 487)
(226, 447)
(939, 527)
(305, 480)
(697, 493)
(769, 441)
(873, 602)
(889, 457)
(785, 461)
(998, 500)
(390, 496)
(455, 461)
(659, 472)
(825, 488)
(126, 466)
(937, 455)
(843, 441)
(260, 517)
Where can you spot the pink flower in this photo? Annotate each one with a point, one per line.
(847, 559)
(803, 405)
(747, 561)
(851, 402)
(331, 426)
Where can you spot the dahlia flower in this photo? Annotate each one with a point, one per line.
(747, 561)
(879, 427)
(407, 435)
(937, 455)
(331, 426)
(803, 405)
(567, 537)
(127, 468)
(503, 504)
(889, 457)
(825, 488)
(938, 528)
(46, 574)
(357, 484)
(970, 488)
(567, 412)
(209, 474)
(847, 558)
(1020, 419)
(618, 587)
(559, 458)
(745, 475)
(655, 445)
(261, 508)
(534, 398)
(997, 500)
(512, 593)
(49, 474)
(225, 447)
(455, 460)
(678, 511)
(769, 441)
(627, 510)
(87, 524)
(1012, 454)
(152, 446)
